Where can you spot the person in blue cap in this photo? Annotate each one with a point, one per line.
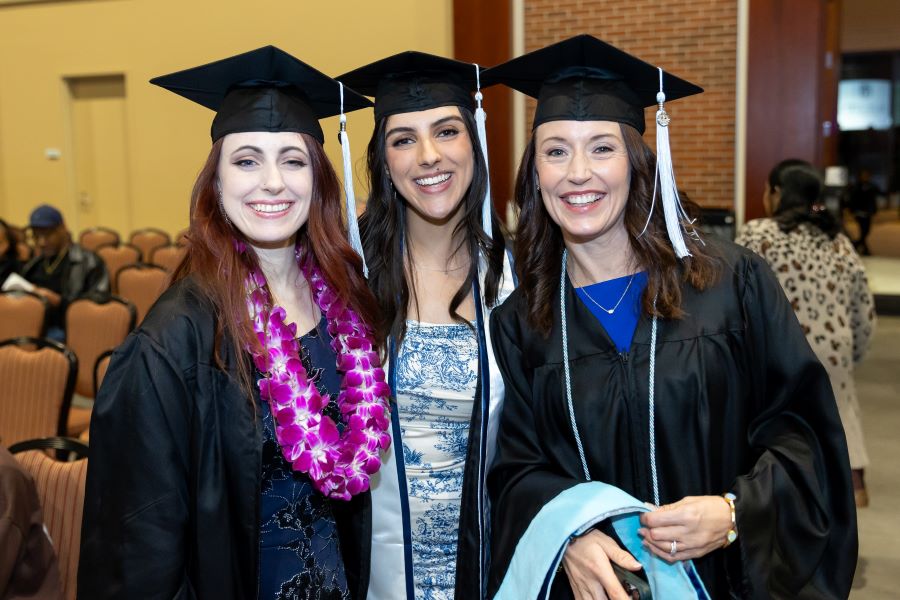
(61, 270)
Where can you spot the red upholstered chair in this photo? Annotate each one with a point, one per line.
(22, 314)
(60, 487)
(168, 257)
(142, 285)
(149, 239)
(116, 257)
(93, 326)
(38, 378)
(95, 237)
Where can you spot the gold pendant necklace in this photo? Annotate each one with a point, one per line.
(610, 311)
(49, 269)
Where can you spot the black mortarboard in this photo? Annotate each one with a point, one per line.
(585, 79)
(414, 81)
(265, 89)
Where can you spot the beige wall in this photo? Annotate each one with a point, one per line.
(167, 138)
(868, 25)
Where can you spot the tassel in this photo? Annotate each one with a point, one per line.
(350, 197)
(480, 118)
(672, 209)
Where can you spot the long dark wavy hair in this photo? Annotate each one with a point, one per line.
(220, 270)
(383, 228)
(800, 187)
(539, 241)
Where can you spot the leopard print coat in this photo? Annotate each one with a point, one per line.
(825, 281)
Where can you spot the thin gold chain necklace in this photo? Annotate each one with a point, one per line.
(610, 311)
(49, 269)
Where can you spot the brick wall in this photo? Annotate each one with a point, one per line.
(694, 39)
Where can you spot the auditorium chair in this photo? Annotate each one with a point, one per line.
(93, 238)
(94, 325)
(142, 285)
(22, 314)
(116, 257)
(168, 257)
(60, 486)
(148, 239)
(38, 378)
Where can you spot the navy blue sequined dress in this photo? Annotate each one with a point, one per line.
(299, 550)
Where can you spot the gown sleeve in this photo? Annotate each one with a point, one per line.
(136, 509)
(522, 480)
(796, 517)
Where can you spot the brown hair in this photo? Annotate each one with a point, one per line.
(220, 270)
(539, 241)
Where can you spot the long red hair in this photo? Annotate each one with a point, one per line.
(220, 270)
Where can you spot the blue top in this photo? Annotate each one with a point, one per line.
(299, 549)
(621, 324)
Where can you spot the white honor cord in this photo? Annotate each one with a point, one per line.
(565, 345)
(568, 378)
(349, 196)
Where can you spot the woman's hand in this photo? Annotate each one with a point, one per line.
(587, 564)
(699, 525)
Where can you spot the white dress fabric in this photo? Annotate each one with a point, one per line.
(388, 577)
(825, 281)
(437, 373)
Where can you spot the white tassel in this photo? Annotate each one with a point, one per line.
(480, 118)
(668, 191)
(350, 197)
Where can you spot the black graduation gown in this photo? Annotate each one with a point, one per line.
(173, 485)
(742, 405)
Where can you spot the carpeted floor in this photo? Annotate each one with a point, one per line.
(878, 385)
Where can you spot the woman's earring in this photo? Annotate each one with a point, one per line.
(222, 207)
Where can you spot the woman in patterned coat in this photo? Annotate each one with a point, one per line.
(825, 281)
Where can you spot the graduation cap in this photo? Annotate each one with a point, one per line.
(414, 81)
(585, 79)
(267, 89)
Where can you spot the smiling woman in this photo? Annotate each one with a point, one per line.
(236, 430)
(637, 356)
(437, 271)
(265, 185)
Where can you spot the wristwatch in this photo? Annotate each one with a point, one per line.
(732, 533)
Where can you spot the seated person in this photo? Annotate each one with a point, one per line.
(9, 261)
(61, 271)
(28, 566)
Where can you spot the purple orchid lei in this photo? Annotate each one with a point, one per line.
(339, 463)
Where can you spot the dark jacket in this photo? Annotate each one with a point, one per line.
(85, 274)
(741, 404)
(173, 487)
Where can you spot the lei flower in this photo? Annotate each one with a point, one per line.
(339, 461)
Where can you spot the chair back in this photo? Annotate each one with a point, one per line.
(116, 257)
(142, 285)
(93, 327)
(149, 239)
(168, 257)
(22, 314)
(60, 487)
(100, 370)
(38, 378)
(95, 237)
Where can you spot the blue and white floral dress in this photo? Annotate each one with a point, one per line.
(437, 373)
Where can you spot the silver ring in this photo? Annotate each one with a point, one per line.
(674, 549)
